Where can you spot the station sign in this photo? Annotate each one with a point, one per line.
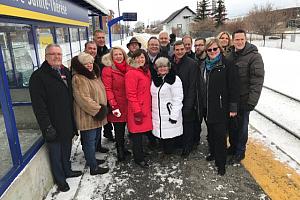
(130, 16)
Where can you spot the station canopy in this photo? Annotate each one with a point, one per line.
(94, 6)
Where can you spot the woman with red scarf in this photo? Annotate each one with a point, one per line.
(113, 77)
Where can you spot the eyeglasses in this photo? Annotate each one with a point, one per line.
(212, 49)
(198, 45)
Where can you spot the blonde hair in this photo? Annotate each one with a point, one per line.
(211, 41)
(85, 58)
(226, 33)
(118, 48)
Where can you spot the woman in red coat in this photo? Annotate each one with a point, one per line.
(139, 119)
(113, 78)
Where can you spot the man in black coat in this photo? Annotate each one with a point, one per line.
(188, 43)
(51, 94)
(99, 39)
(251, 74)
(186, 69)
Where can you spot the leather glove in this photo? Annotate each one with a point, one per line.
(138, 117)
(102, 112)
(249, 107)
(49, 134)
(172, 121)
(116, 113)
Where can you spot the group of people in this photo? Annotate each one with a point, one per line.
(162, 93)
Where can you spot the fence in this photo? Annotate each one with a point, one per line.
(288, 41)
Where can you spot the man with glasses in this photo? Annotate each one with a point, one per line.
(51, 95)
(200, 54)
(251, 72)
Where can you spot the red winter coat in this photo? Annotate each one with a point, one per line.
(137, 83)
(114, 82)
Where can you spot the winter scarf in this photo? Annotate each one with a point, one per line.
(210, 64)
(121, 66)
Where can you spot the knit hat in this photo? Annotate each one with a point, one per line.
(134, 40)
(85, 58)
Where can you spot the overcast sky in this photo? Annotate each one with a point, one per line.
(150, 10)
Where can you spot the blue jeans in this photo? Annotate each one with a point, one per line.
(88, 142)
(242, 131)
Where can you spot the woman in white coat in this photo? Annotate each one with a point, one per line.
(167, 96)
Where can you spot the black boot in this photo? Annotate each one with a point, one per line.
(98, 170)
(120, 153)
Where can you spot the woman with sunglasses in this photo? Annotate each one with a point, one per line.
(222, 93)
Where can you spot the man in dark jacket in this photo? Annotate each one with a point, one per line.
(188, 42)
(166, 49)
(51, 94)
(186, 69)
(251, 74)
(133, 45)
(99, 39)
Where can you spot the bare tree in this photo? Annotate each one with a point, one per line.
(203, 28)
(234, 25)
(264, 20)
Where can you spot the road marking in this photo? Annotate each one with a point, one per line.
(277, 179)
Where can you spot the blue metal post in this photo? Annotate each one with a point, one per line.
(100, 22)
(110, 23)
(9, 117)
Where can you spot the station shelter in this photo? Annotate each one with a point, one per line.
(26, 28)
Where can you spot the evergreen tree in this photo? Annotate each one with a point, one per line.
(219, 14)
(202, 10)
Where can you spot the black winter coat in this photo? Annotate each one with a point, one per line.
(251, 74)
(222, 91)
(52, 100)
(101, 51)
(188, 72)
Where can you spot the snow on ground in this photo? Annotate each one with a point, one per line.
(282, 70)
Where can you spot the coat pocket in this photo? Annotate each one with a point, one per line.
(169, 107)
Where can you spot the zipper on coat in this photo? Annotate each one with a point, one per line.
(221, 101)
(207, 84)
(158, 100)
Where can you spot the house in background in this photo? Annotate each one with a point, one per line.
(179, 21)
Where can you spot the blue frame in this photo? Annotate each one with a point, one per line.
(19, 161)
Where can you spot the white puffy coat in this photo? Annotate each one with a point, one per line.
(169, 93)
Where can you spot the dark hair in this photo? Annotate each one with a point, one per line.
(89, 42)
(153, 38)
(178, 42)
(139, 52)
(200, 38)
(239, 31)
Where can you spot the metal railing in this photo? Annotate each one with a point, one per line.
(288, 41)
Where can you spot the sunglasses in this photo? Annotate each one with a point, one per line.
(212, 49)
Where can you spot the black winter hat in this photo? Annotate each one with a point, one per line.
(134, 40)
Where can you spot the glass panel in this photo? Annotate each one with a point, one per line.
(63, 40)
(83, 39)
(75, 41)
(5, 155)
(44, 37)
(17, 43)
(26, 123)
(24, 55)
(7, 58)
